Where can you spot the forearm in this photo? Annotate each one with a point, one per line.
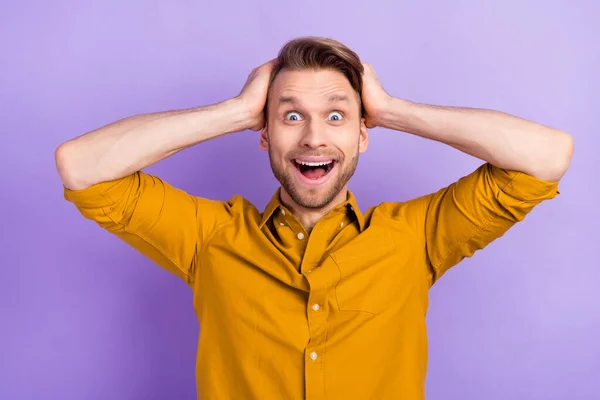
(503, 140)
(123, 147)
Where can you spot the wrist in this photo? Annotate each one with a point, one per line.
(251, 116)
(394, 112)
(239, 112)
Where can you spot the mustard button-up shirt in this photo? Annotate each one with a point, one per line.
(335, 314)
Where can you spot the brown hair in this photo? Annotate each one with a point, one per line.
(313, 52)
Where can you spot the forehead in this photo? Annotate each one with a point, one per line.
(311, 85)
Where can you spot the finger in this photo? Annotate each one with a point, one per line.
(270, 65)
(369, 122)
(369, 70)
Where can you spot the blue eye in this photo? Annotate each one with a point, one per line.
(293, 116)
(336, 116)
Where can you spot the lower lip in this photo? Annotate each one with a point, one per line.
(314, 182)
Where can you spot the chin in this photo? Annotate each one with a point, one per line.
(313, 182)
(313, 196)
(314, 204)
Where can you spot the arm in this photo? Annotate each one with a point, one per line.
(500, 139)
(101, 174)
(133, 143)
(136, 142)
(524, 162)
(467, 215)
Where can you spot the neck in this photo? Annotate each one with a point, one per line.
(309, 217)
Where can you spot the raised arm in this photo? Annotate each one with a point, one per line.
(503, 140)
(128, 145)
(101, 175)
(524, 162)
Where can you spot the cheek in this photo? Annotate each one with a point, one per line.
(282, 137)
(349, 142)
(280, 144)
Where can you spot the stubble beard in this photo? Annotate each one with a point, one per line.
(312, 197)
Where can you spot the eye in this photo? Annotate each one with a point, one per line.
(293, 116)
(336, 116)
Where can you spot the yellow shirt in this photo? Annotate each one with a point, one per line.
(337, 314)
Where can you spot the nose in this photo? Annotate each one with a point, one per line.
(314, 136)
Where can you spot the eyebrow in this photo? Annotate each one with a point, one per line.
(335, 98)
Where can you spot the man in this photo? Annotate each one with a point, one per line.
(312, 298)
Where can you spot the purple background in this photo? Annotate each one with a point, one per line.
(83, 316)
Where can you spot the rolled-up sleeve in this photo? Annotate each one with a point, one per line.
(164, 223)
(469, 214)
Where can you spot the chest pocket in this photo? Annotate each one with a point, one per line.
(373, 273)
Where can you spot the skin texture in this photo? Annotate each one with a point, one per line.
(503, 140)
(302, 122)
(313, 113)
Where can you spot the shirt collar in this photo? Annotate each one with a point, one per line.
(275, 204)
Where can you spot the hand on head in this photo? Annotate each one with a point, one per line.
(374, 97)
(254, 93)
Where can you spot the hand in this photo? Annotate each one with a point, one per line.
(254, 94)
(375, 99)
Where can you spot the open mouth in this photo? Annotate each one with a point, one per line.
(314, 170)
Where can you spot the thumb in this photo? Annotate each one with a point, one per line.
(369, 122)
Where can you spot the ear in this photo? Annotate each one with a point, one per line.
(264, 138)
(363, 140)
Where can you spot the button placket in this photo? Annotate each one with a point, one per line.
(321, 281)
(316, 311)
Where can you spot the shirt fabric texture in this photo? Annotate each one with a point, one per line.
(337, 314)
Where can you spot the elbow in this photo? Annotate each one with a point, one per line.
(558, 159)
(564, 155)
(65, 160)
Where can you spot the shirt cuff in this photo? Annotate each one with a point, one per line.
(523, 186)
(96, 195)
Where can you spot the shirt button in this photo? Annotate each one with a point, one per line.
(313, 356)
(282, 212)
(300, 236)
(281, 223)
(315, 307)
(341, 224)
(309, 271)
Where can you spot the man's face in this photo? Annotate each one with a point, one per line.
(314, 134)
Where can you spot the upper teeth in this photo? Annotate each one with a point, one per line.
(314, 163)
